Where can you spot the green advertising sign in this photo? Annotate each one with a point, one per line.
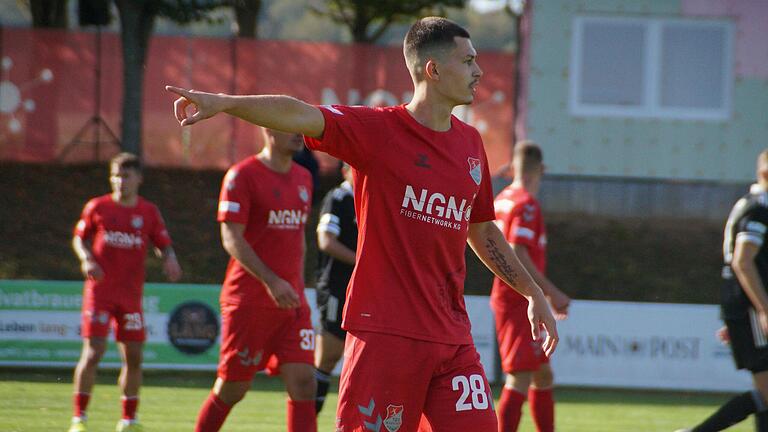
(40, 325)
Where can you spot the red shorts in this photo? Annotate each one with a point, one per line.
(255, 338)
(391, 381)
(126, 317)
(516, 346)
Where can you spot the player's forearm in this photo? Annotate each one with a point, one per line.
(336, 249)
(246, 256)
(82, 249)
(525, 259)
(750, 281)
(494, 251)
(278, 112)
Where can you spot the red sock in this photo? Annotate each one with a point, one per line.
(542, 409)
(130, 403)
(212, 414)
(509, 410)
(80, 403)
(302, 416)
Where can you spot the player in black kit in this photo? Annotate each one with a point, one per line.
(744, 303)
(337, 241)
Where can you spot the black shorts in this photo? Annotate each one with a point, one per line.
(330, 303)
(749, 345)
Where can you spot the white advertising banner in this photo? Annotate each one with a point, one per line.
(645, 345)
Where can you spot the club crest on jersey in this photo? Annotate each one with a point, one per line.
(394, 418)
(475, 169)
(137, 221)
(303, 193)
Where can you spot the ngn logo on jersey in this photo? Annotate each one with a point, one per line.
(434, 208)
(286, 219)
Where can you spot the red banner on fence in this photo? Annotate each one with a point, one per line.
(49, 95)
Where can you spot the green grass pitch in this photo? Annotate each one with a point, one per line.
(41, 401)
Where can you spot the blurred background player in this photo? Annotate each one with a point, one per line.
(111, 241)
(422, 192)
(263, 207)
(744, 303)
(518, 215)
(337, 242)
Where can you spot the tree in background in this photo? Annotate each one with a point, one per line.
(367, 20)
(247, 16)
(48, 13)
(137, 20)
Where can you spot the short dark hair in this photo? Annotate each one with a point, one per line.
(430, 34)
(528, 154)
(126, 160)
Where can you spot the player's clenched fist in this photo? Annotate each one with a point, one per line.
(91, 270)
(193, 106)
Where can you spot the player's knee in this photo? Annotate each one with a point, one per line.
(231, 392)
(543, 378)
(302, 387)
(93, 353)
(327, 362)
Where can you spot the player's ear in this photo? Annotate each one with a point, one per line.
(430, 70)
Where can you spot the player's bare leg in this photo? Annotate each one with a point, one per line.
(230, 392)
(328, 351)
(130, 373)
(85, 377)
(85, 372)
(299, 379)
(540, 400)
(131, 353)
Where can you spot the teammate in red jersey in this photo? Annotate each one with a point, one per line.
(519, 218)
(263, 207)
(111, 241)
(422, 191)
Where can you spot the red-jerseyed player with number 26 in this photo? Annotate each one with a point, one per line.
(422, 191)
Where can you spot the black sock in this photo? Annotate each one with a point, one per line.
(761, 421)
(323, 382)
(730, 413)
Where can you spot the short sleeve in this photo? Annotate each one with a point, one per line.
(85, 226)
(753, 226)
(482, 208)
(523, 224)
(159, 235)
(234, 199)
(352, 134)
(331, 213)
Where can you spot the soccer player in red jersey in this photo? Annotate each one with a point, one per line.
(422, 191)
(518, 216)
(263, 207)
(111, 241)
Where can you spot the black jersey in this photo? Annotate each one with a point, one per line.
(337, 216)
(748, 222)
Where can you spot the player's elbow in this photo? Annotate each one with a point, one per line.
(742, 263)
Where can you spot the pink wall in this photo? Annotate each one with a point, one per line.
(751, 30)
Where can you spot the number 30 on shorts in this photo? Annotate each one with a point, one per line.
(473, 395)
(307, 339)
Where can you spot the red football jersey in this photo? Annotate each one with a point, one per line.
(519, 218)
(119, 236)
(416, 192)
(274, 208)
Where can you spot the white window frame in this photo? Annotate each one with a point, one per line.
(651, 106)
